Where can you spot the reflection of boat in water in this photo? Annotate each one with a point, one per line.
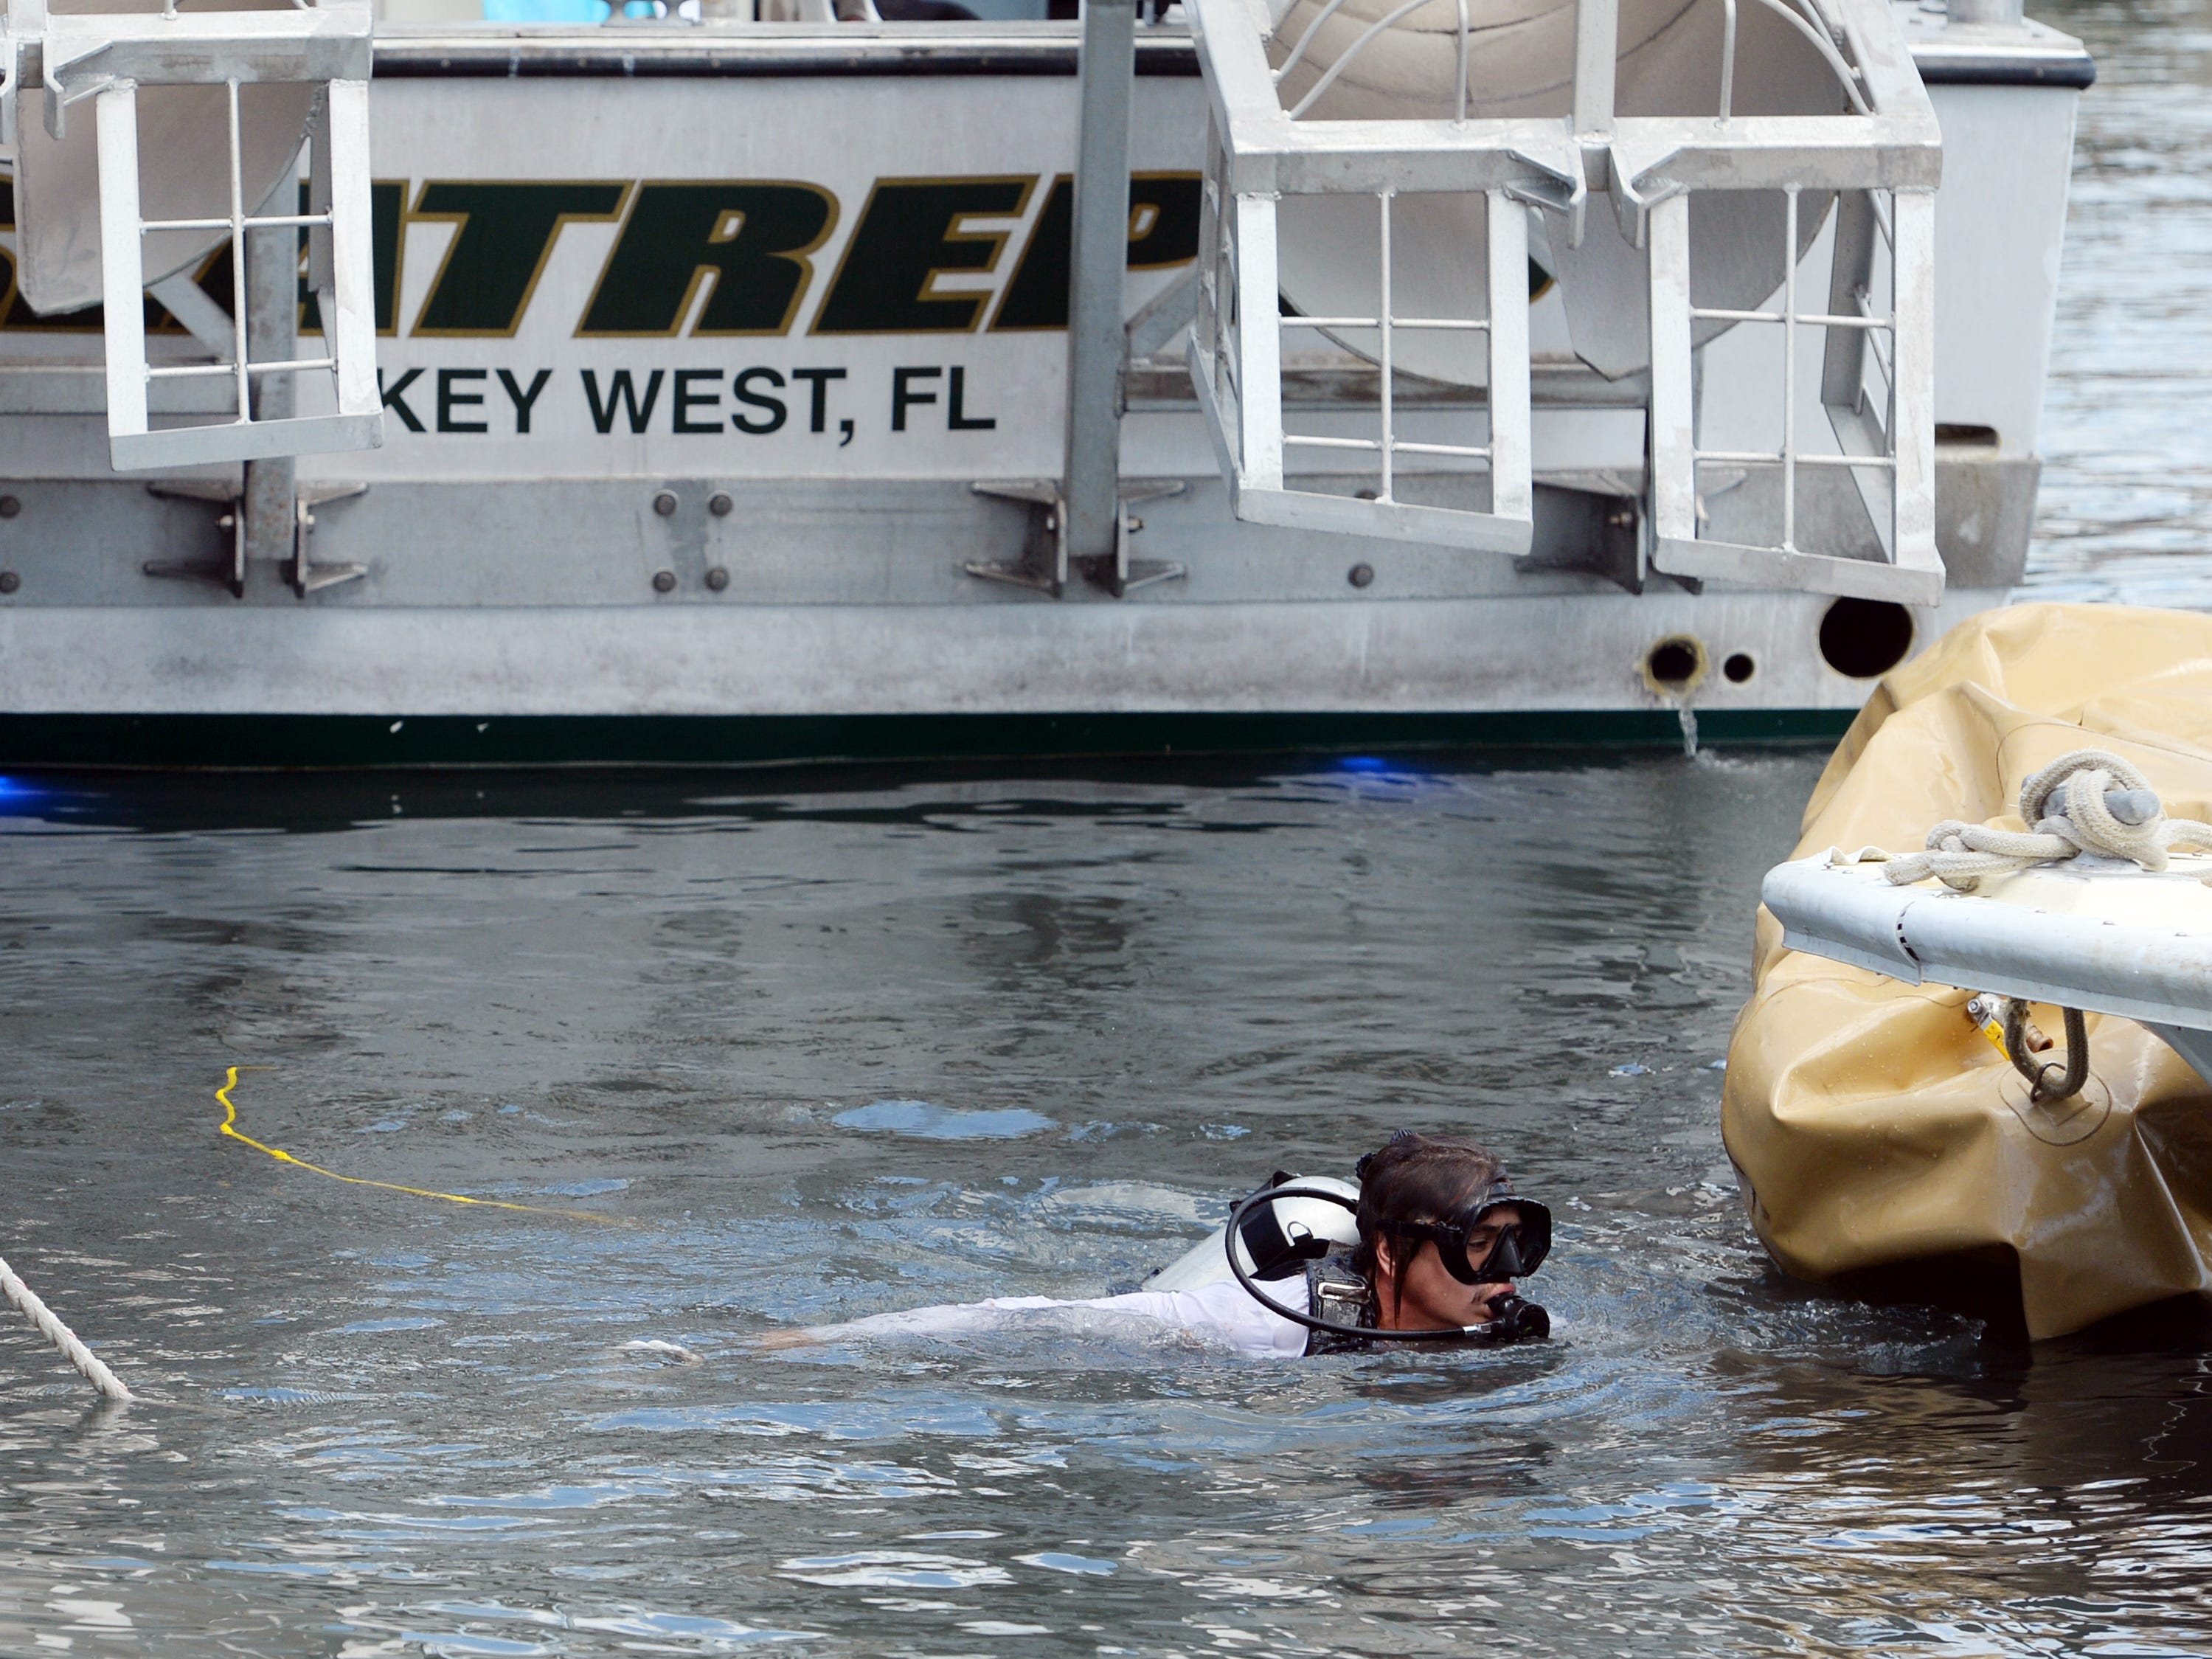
(1885, 1102)
(765, 430)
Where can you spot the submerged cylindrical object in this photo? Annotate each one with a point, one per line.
(1347, 62)
(184, 171)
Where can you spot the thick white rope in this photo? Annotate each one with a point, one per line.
(2067, 803)
(26, 1302)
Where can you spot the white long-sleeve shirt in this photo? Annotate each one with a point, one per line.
(1221, 1313)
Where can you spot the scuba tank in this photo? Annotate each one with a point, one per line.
(1274, 1240)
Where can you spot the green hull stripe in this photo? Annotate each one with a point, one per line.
(320, 741)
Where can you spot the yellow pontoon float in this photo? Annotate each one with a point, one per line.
(2009, 841)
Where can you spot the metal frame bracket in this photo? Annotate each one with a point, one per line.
(106, 57)
(302, 573)
(1048, 561)
(1886, 142)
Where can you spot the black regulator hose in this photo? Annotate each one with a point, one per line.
(1516, 1320)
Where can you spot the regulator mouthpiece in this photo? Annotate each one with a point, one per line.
(1515, 1321)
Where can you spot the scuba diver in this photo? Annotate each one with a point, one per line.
(1426, 1248)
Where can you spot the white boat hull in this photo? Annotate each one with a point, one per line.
(621, 501)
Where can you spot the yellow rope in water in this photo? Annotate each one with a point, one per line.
(230, 1127)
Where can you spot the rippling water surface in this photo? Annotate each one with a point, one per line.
(813, 1046)
(835, 1043)
(2126, 506)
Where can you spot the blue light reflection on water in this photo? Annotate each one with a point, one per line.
(1395, 768)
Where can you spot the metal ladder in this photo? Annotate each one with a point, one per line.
(108, 57)
(1883, 160)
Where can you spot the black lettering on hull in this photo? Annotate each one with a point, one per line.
(504, 233)
(749, 240)
(773, 413)
(912, 232)
(523, 399)
(621, 397)
(1164, 212)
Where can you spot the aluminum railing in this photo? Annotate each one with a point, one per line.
(1876, 391)
(108, 57)
(1259, 154)
(1881, 158)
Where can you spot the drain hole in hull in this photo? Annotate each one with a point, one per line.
(1673, 663)
(1861, 638)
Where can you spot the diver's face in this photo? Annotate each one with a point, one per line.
(1428, 1297)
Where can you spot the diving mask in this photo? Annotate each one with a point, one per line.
(1517, 1249)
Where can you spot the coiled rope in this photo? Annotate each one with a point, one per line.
(26, 1302)
(2089, 801)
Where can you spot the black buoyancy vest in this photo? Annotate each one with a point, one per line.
(1335, 1292)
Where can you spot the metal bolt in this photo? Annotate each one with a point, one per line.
(719, 505)
(664, 502)
(1360, 575)
(9, 506)
(664, 581)
(9, 582)
(717, 580)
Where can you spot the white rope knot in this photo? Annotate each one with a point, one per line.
(2089, 801)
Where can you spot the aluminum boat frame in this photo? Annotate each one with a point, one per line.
(934, 506)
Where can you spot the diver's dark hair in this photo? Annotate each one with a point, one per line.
(1412, 1178)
